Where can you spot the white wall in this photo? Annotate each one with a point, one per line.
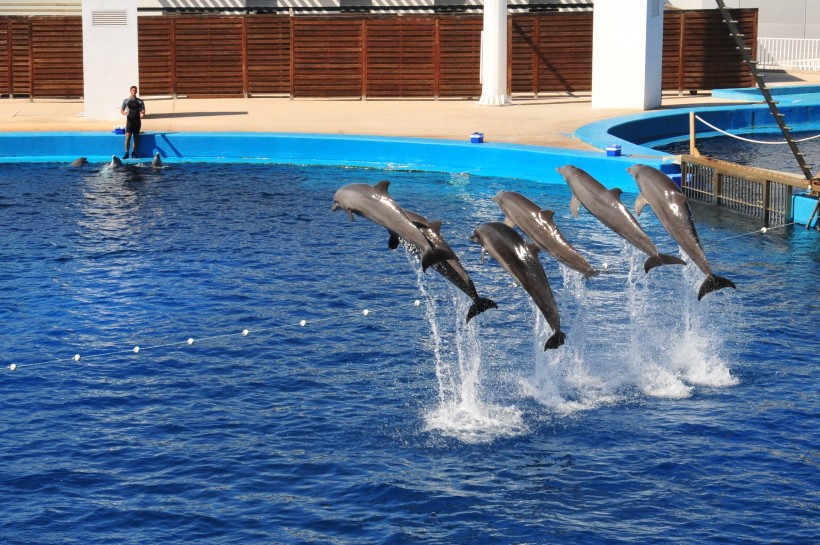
(110, 56)
(776, 18)
(627, 54)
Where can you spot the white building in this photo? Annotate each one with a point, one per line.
(777, 18)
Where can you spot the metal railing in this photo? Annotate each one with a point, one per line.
(788, 54)
(755, 192)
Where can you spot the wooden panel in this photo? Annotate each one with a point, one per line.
(268, 54)
(709, 57)
(327, 57)
(552, 52)
(57, 56)
(401, 57)
(156, 55)
(209, 56)
(460, 50)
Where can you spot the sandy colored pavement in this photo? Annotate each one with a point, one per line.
(549, 120)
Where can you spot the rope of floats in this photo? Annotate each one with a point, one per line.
(78, 357)
(769, 143)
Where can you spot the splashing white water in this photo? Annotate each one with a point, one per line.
(630, 332)
(461, 413)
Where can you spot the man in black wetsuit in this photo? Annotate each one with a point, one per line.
(134, 109)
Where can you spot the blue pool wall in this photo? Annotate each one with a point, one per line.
(486, 159)
(638, 134)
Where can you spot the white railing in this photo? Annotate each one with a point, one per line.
(788, 54)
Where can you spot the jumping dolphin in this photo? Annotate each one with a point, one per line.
(450, 269)
(540, 227)
(79, 162)
(374, 203)
(520, 259)
(116, 162)
(606, 205)
(157, 161)
(672, 209)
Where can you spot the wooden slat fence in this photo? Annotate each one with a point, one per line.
(360, 55)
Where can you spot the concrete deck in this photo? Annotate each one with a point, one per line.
(546, 121)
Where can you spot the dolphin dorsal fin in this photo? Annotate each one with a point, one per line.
(574, 204)
(435, 226)
(640, 202)
(382, 186)
(546, 215)
(508, 222)
(616, 193)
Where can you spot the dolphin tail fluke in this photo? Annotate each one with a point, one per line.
(714, 282)
(480, 306)
(433, 256)
(662, 259)
(555, 341)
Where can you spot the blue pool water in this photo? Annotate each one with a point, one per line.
(774, 155)
(661, 420)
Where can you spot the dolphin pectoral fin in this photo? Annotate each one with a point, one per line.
(534, 248)
(616, 193)
(574, 204)
(480, 306)
(508, 222)
(382, 186)
(350, 215)
(662, 259)
(712, 283)
(555, 341)
(640, 202)
(393, 241)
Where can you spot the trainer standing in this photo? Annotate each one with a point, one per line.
(134, 110)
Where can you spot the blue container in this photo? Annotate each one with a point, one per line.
(613, 151)
(477, 138)
(119, 130)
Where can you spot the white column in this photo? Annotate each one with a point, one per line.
(494, 54)
(627, 54)
(110, 57)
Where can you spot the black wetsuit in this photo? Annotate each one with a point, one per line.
(133, 122)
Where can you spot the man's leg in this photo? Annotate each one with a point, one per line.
(136, 141)
(127, 144)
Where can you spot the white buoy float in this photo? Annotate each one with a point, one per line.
(136, 350)
(190, 341)
(245, 332)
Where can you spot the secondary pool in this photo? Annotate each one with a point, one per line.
(662, 419)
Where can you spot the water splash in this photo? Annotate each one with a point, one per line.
(630, 334)
(461, 412)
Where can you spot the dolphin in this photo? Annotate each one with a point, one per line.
(520, 259)
(157, 161)
(606, 205)
(79, 162)
(539, 226)
(116, 162)
(672, 209)
(450, 269)
(374, 203)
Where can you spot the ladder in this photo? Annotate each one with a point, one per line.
(746, 52)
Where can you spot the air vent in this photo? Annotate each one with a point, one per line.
(655, 6)
(109, 18)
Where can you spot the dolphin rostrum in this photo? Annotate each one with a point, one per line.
(374, 203)
(450, 269)
(539, 226)
(156, 162)
(520, 259)
(116, 162)
(672, 209)
(606, 205)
